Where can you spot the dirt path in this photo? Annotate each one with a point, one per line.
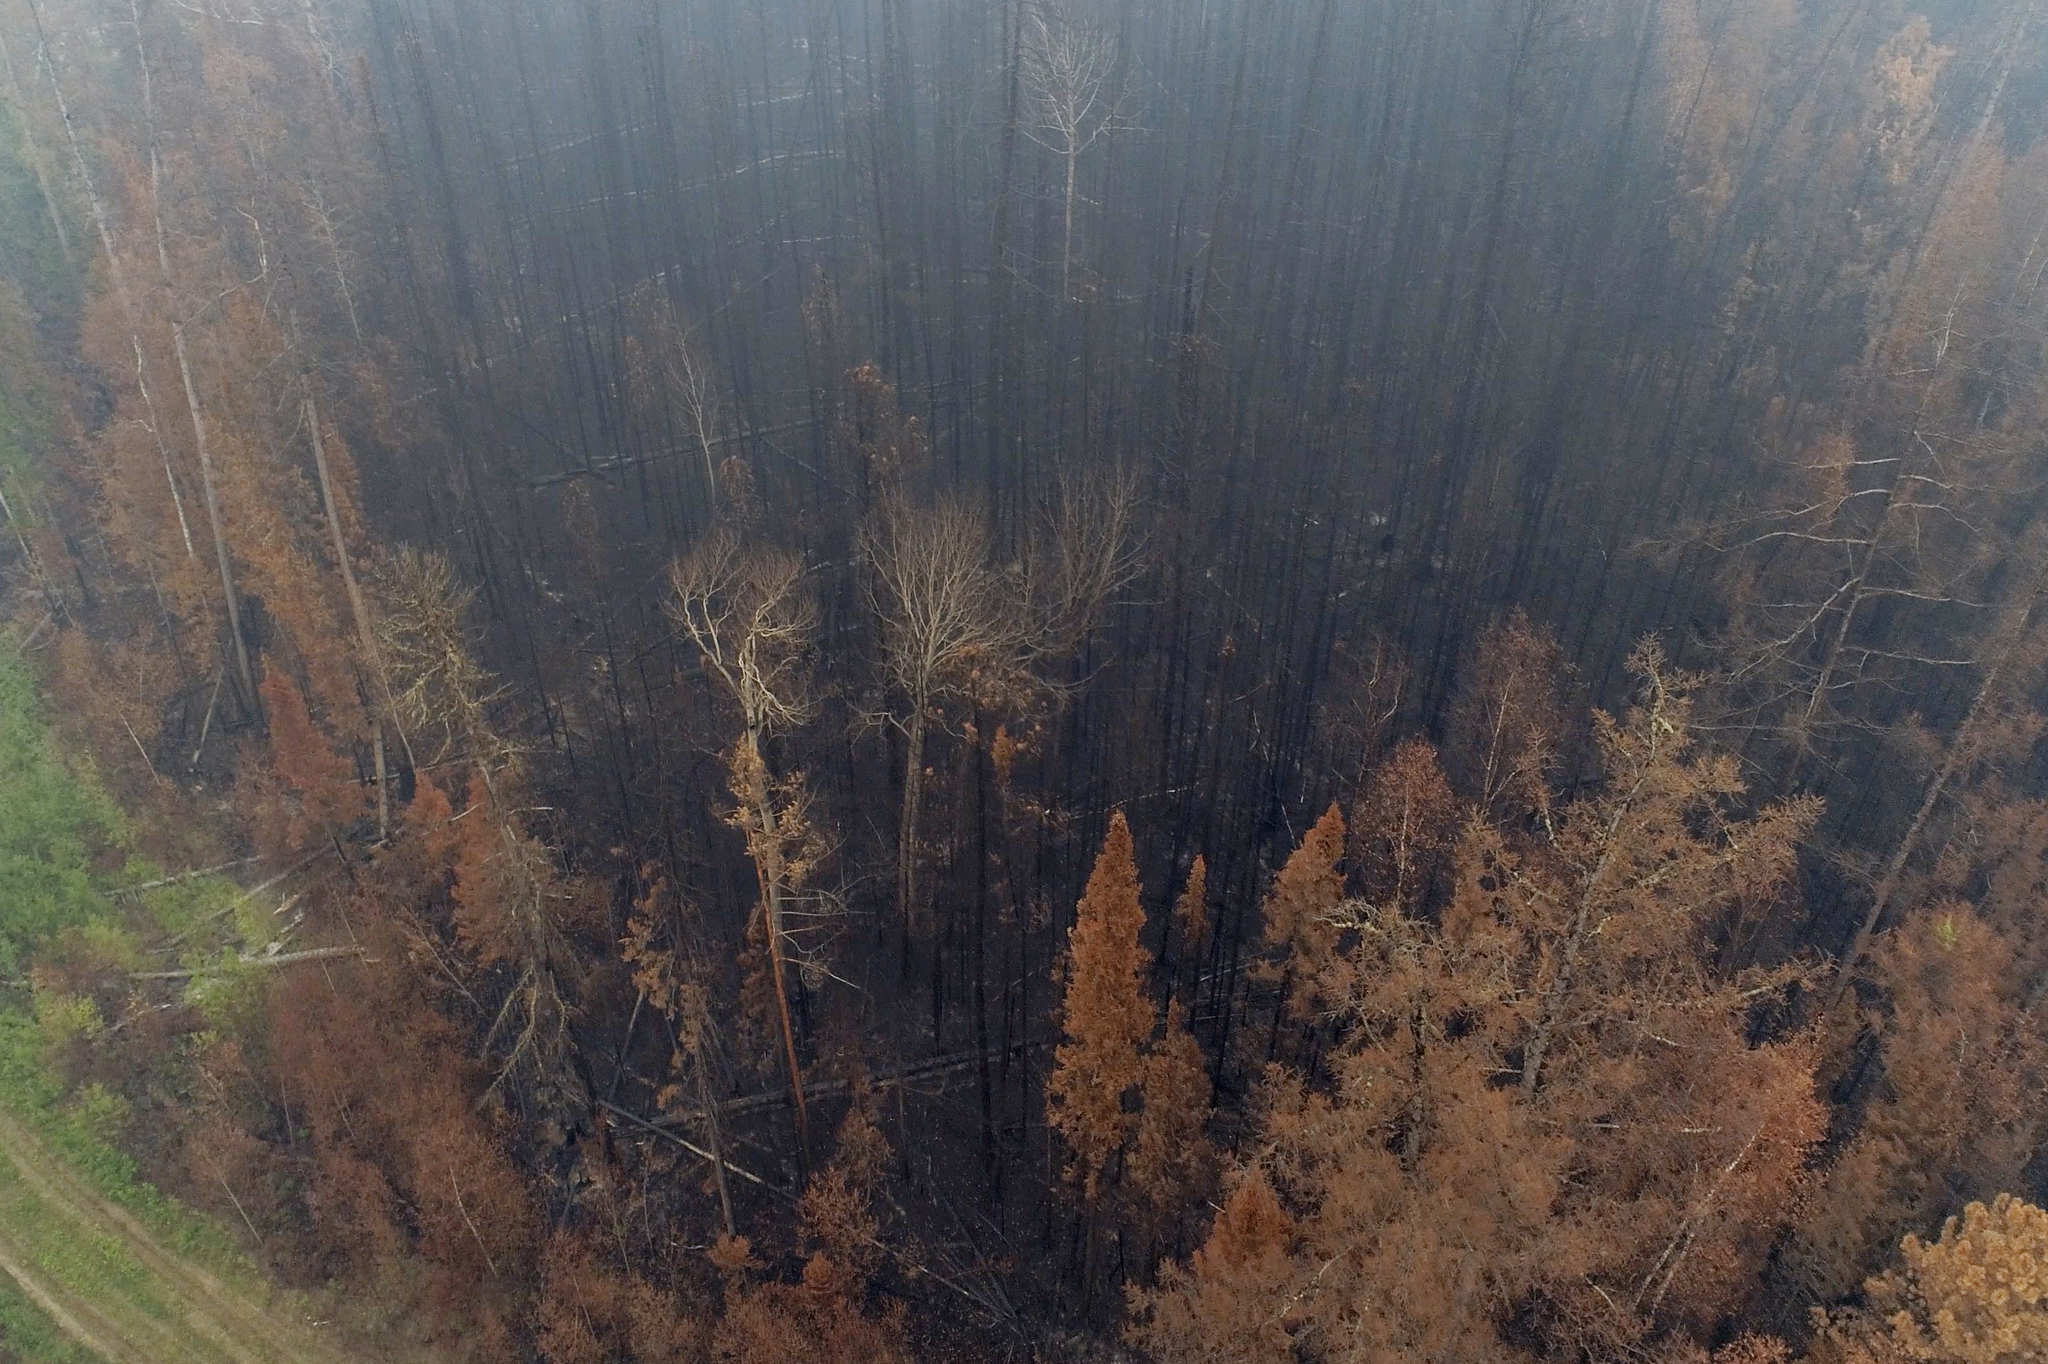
(175, 1311)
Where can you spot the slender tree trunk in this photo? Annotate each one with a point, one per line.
(1675, 1250)
(907, 819)
(35, 158)
(212, 500)
(1803, 743)
(208, 489)
(1067, 246)
(713, 1135)
(988, 1120)
(768, 866)
(1418, 1105)
(2013, 633)
(163, 450)
(999, 304)
(382, 708)
(710, 478)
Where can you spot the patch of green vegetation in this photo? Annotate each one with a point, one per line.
(61, 853)
(96, 1267)
(80, 1264)
(199, 910)
(60, 838)
(54, 827)
(82, 1129)
(27, 1334)
(230, 995)
(58, 829)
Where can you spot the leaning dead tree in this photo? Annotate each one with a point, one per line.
(2014, 665)
(1069, 73)
(512, 899)
(750, 613)
(1872, 571)
(951, 627)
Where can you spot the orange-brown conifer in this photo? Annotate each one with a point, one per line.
(1171, 1158)
(1107, 1019)
(1403, 828)
(1305, 896)
(327, 795)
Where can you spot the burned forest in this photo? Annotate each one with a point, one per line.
(1040, 680)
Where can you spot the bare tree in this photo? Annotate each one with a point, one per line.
(751, 615)
(1068, 66)
(425, 640)
(950, 627)
(676, 366)
(1087, 551)
(1872, 573)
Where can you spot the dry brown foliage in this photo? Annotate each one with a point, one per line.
(1957, 1044)
(1955, 1105)
(805, 1323)
(1507, 719)
(1106, 1019)
(1976, 1295)
(1548, 1123)
(314, 792)
(1171, 1161)
(590, 1311)
(402, 1167)
(1403, 829)
(1299, 933)
(1191, 910)
(1232, 1300)
(837, 1207)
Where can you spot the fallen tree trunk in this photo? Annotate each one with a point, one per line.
(273, 959)
(918, 1070)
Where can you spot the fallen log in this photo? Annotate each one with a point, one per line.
(916, 1070)
(272, 959)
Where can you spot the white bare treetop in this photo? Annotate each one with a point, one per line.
(752, 617)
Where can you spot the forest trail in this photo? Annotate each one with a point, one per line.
(110, 1286)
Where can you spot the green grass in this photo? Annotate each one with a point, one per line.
(55, 826)
(27, 1333)
(82, 1129)
(92, 1267)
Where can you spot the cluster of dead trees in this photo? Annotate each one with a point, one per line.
(1515, 1089)
(685, 801)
